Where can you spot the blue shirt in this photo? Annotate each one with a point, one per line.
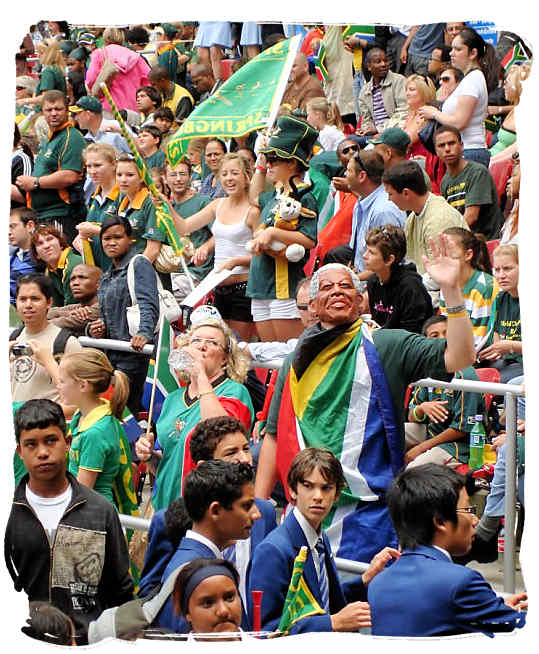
(375, 210)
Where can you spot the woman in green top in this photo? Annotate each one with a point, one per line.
(50, 247)
(52, 72)
(505, 351)
(99, 455)
(100, 160)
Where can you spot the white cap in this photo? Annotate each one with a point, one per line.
(203, 312)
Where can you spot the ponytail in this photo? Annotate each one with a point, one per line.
(477, 244)
(334, 116)
(120, 393)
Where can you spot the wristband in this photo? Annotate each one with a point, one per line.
(458, 309)
(205, 393)
(460, 314)
(417, 419)
(261, 169)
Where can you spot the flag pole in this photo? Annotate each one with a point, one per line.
(283, 81)
(155, 371)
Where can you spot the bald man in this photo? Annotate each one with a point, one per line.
(84, 284)
(301, 86)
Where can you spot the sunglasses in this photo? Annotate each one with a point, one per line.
(302, 307)
(273, 158)
(445, 78)
(350, 148)
(468, 509)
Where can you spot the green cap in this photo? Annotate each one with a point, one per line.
(87, 103)
(292, 138)
(395, 137)
(169, 30)
(79, 54)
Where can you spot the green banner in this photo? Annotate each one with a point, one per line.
(247, 101)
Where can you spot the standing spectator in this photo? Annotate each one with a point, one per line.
(429, 214)
(87, 571)
(440, 60)
(214, 151)
(55, 186)
(251, 38)
(173, 96)
(301, 85)
(449, 80)
(117, 241)
(415, 52)
(338, 61)
(148, 142)
(507, 134)
(397, 297)
(22, 223)
(211, 38)
(132, 72)
(148, 101)
(172, 56)
(468, 185)
(466, 108)
(383, 98)
(373, 207)
(49, 246)
(22, 161)
(451, 30)
(89, 116)
(76, 64)
(52, 73)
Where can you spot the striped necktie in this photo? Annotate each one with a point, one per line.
(323, 574)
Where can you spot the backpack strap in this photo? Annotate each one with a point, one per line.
(16, 333)
(60, 342)
(131, 279)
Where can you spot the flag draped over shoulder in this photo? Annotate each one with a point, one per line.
(360, 31)
(336, 397)
(299, 602)
(320, 64)
(247, 101)
(165, 382)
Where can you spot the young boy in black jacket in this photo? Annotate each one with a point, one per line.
(397, 297)
(64, 543)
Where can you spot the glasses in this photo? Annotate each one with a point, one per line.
(273, 158)
(350, 148)
(302, 307)
(445, 78)
(174, 175)
(468, 509)
(209, 342)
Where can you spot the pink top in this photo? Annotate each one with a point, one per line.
(133, 73)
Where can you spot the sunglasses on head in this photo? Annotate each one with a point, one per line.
(360, 163)
(350, 148)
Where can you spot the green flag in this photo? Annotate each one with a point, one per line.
(299, 602)
(247, 101)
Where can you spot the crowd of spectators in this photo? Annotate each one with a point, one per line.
(369, 240)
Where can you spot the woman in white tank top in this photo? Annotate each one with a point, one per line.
(234, 219)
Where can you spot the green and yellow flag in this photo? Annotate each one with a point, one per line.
(299, 602)
(247, 101)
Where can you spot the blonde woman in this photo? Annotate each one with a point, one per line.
(214, 369)
(52, 76)
(419, 92)
(325, 117)
(507, 134)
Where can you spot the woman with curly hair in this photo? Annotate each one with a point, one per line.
(207, 357)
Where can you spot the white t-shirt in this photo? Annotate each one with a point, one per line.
(330, 137)
(473, 84)
(49, 510)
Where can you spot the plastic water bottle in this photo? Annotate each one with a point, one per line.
(477, 443)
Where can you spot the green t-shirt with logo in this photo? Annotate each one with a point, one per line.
(506, 312)
(141, 216)
(200, 236)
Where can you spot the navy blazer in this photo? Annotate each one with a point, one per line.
(426, 594)
(271, 572)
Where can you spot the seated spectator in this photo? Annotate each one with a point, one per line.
(397, 297)
(301, 85)
(446, 415)
(220, 500)
(392, 146)
(195, 154)
(77, 316)
(477, 286)
(215, 375)
(34, 373)
(148, 101)
(505, 352)
(509, 230)
(431, 511)
(315, 480)
(49, 247)
(163, 119)
(174, 96)
(326, 119)
(207, 595)
(507, 134)
(449, 80)
(21, 226)
(419, 92)
(203, 81)
(429, 214)
(89, 116)
(89, 544)
(468, 185)
(214, 151)
(382, 100)
(373, 207)
(439, 61)
(148, 142)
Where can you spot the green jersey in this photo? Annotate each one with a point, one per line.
(141, 215)
(198, 237)
(61, 276)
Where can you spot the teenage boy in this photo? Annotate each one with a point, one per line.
(220, 500)
(223, 438)
(315, 480)
(22, 223)
(431, 512)
(63, 542)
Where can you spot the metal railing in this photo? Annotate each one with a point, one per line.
(510, 393)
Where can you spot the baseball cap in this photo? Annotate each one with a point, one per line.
(87, 103)
(394, 137)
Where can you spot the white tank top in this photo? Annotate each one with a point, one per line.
(230, 240)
